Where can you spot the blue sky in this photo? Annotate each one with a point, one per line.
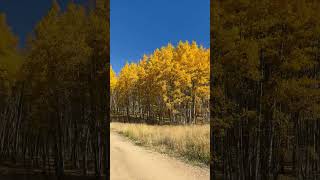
(23, 15)
(138, 27)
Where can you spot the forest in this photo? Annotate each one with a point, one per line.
(265, 96)
(53, 93)
(169, 86)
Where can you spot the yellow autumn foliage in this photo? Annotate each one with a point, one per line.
(171, 84)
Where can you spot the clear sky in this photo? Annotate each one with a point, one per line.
(23, 15)
(140, 26)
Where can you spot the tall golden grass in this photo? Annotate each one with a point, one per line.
(191, 142)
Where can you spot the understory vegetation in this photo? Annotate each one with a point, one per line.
(191, 142)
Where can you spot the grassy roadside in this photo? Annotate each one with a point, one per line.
(190, 142)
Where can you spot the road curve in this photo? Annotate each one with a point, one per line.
(131, 162)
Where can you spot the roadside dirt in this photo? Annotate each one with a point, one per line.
(131, 162)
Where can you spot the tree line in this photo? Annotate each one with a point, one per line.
(169, 86)
(53, 94)
(265, 92)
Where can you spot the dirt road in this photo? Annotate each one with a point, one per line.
(131, 162)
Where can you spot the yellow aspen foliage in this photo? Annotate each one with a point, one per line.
(113, 79)
(171, 84)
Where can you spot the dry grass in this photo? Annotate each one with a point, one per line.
(191, 142)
